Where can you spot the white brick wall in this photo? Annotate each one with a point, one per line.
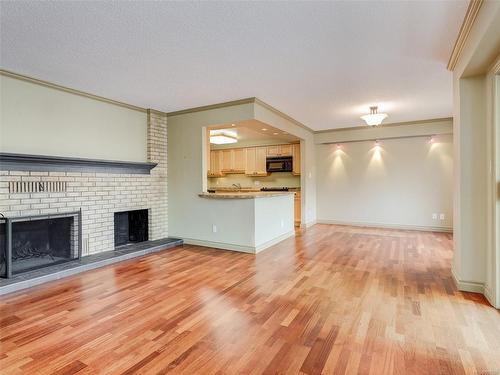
(99, 195)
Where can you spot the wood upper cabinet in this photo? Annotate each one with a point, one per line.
(233, 160)
(273, 150)
(279, 150)
(227, 160)
(256, 161)
(260, 161)
(286, 150)
(215, 164)
(296, 159)
(250, 160)
(239, 160)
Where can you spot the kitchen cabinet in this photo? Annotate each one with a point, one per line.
(215, 168)
(297, 208)
(286, 150)
(233, 160)
(256, 161)
(296, 159)
(251, 160)
(273, 150)
(279, 150)
(239, 159)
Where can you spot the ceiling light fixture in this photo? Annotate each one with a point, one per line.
(264, 129)
(374, 118)
(223, 137)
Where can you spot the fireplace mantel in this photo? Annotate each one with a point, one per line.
(26, 162)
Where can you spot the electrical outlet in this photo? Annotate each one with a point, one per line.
(256, 183)
(214, 228)
(434, 216)
(441, 217)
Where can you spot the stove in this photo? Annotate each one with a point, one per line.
(274, 189)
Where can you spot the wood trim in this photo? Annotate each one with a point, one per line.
(463, 34)
(495, 67)
(274, 241)
(251, 100)
(239, 248)
(386, 226)
(281, 114)
(390, 125)
(25, 162)
(381, 139)
(211, 106)
(40, 82)
(156, 112)
(467, 286)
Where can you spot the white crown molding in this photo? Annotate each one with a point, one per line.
(463, 34)
(69, 90)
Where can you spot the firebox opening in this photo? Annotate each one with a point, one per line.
(36, 242)
(131, 227)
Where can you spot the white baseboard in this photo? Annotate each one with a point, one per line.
(388, 226)
(274, 241)
(488, 293)
(219, 245)
(235, 247)
(310, 224)
(468, 286)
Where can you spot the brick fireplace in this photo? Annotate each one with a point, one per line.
(98, 194)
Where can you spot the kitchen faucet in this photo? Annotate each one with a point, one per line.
(238, 185)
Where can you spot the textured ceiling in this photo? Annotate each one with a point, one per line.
(322, 63)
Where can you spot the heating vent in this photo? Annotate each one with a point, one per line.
(37, 186)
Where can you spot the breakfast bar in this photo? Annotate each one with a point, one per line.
(247, 221)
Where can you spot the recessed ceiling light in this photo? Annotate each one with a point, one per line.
(233, 125)
(264, 129)
(275, 133)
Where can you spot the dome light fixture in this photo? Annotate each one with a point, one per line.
(374, 118)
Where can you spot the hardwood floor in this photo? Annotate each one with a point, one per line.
(334, 300)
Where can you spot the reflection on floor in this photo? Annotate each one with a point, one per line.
(332, 300)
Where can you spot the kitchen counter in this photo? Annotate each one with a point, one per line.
(244, 221)
(244, 194)
(228, 188)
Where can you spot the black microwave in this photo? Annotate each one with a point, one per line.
(279, 164)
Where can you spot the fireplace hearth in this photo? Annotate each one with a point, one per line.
(32, 242)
